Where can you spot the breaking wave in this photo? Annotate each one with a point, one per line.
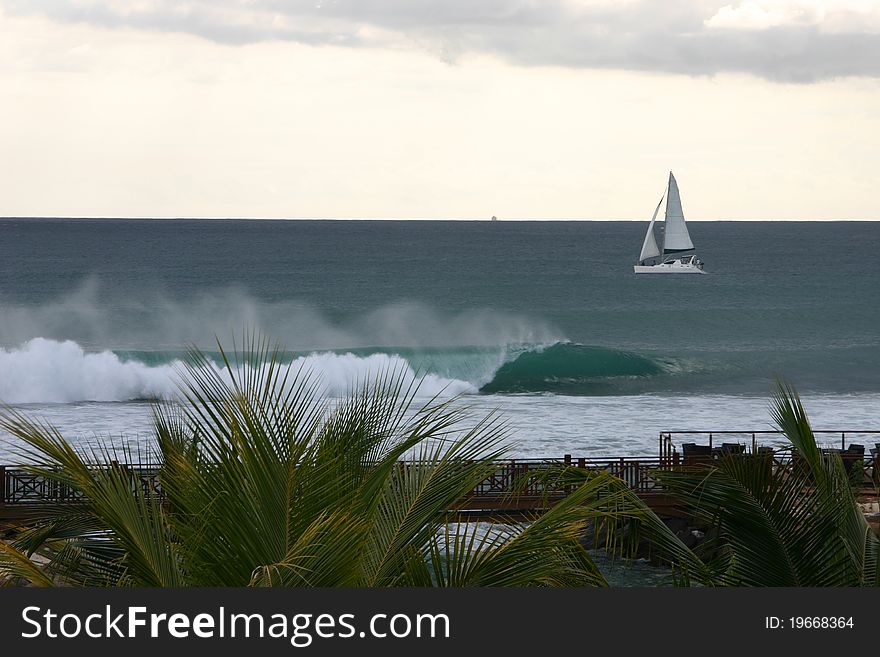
(570, 369)
(50, 371)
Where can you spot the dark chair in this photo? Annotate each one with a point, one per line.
(852, 455)
(696, 454)
(732, 448)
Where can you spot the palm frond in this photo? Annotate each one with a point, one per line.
(783, 526)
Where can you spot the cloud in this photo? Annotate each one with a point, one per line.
(830, 16)
(785, 40)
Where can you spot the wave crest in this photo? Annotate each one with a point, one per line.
(50, 371)
(570, 368)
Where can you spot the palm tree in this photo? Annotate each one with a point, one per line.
(797, 526)
(264, 482)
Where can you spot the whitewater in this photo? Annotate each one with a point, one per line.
(48, 371)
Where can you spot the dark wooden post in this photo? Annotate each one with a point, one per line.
(2, 484)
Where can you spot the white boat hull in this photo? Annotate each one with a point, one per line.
(672, 267)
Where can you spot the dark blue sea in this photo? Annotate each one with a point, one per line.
(544, 321)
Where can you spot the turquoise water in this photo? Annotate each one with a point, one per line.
(541, 319)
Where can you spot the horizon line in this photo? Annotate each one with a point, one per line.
(462, 219)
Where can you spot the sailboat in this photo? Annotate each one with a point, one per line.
(676, 253)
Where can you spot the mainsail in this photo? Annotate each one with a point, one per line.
(676, 237)
(649, 246)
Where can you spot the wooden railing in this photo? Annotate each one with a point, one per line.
(20, 487)
(527, 476)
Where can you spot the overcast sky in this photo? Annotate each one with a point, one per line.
(445, 109)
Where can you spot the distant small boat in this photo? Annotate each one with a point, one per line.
(676, 255)
(494, 218)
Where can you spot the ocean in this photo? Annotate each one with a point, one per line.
(541, 321)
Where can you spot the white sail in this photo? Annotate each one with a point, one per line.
(649, 246)
(676, 237)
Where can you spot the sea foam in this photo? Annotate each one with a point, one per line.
(51, 371)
